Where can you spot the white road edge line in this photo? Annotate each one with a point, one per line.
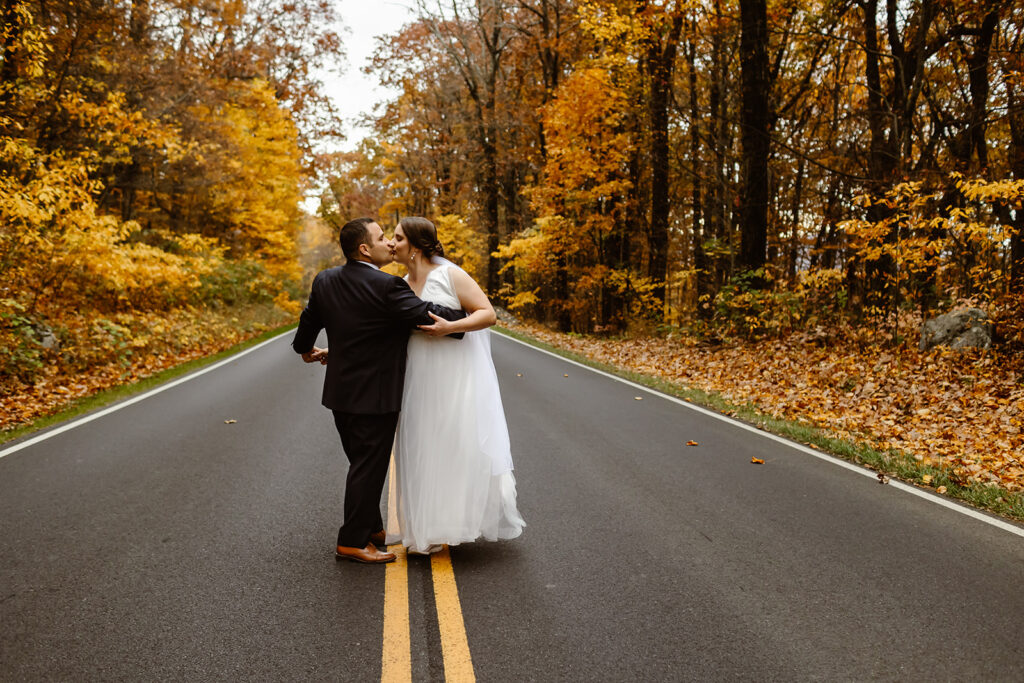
(135, 399)
(934, 498)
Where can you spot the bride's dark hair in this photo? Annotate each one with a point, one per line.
(422, 234)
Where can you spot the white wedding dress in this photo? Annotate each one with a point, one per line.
(453, 462)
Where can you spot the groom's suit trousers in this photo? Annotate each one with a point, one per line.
(367, 440)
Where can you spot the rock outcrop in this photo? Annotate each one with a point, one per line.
(963, 329)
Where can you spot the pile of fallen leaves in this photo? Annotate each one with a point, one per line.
(959, 411)
(125, 348)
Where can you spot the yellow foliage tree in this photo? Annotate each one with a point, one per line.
(251, 161)
(959, 249)
(218, 211)
(462, 244)
(569, 262)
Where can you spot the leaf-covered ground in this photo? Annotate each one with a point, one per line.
(99, 355)
(961, 412)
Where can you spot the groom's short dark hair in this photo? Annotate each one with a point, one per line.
(353, 234)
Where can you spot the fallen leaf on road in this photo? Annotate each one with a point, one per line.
(941, 489)
(692, 443)
(565, 375)
(230, 422)
(882, 479)
(519, 374)
(638, 398)
(757, 461)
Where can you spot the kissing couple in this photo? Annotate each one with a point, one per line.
(409, 365)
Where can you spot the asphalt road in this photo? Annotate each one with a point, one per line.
(159, 543)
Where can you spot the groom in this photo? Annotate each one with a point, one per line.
(368, 315)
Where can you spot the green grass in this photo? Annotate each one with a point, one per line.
(893, 463)
(108, 396)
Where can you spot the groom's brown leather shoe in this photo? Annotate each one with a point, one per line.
(368, 555)
(379, 539)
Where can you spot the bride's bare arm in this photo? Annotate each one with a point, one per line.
(474, 302)
(480, 313)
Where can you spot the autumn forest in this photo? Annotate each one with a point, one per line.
(153, 160)
(709, 163)
(677, 187)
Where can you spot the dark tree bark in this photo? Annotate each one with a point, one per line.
(1015, 117)
(701, 266)
(890, 115)
(794, 238)
(965, 146)
(978, 64)
(546, 36)
(562, 294)
(717, 225)
(660, 61)
(755, 121)
(9, 55)
(480, 71)
(130, 178)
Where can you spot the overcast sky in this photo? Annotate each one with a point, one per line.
(353, 91)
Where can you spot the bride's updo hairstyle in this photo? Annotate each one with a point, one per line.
(422, 234)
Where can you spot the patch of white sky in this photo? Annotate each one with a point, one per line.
(353, 92)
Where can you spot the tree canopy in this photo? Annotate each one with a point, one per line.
(746, 165)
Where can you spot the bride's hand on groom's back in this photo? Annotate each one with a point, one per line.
(440, 328)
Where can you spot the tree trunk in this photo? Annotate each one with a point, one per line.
(979, 80)
(9, 57)
(701, 266)
(562, 294)
(755, 129)
(891, 119)
(881, 157)
(794, 238)
(661, 60)
(1015, 118)
(718, 124)
(963, 147)
(489, 187)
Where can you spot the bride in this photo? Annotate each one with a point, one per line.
(454, 480)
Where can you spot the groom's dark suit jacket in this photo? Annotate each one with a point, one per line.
(368, 315)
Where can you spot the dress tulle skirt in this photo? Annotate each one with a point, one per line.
(453, 466)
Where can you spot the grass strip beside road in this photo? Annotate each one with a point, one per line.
(114, 394)
(891, 463)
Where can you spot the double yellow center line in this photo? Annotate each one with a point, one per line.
(396, 657)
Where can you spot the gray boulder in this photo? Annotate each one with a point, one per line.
(45, 336)
(968, 328)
